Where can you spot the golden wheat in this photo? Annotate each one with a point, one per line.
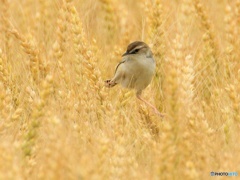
(58, 121)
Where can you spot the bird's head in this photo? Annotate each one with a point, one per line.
(138, 48)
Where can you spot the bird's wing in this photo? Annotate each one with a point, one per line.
(123, 61)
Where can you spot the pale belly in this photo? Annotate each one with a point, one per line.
(138, 76)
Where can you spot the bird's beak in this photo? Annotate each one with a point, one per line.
(125, 54)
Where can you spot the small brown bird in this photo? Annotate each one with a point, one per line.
(136, 70)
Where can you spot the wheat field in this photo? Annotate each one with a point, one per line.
(58, 121)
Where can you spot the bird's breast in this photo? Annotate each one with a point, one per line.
(138, 72)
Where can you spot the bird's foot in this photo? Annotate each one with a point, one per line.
(109, 83)
(158, 113)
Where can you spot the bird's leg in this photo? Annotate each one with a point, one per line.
(109, 83)
(149, 104)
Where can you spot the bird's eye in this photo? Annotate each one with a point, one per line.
(135, 51)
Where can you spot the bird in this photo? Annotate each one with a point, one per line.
(136, 70)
